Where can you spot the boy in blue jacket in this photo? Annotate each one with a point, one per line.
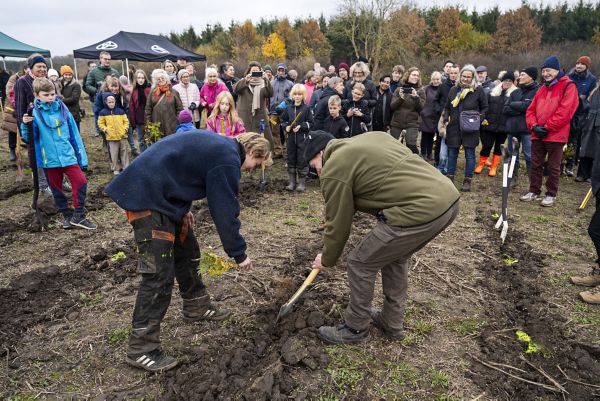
(59, 151)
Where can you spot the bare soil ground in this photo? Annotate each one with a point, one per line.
(66, 300)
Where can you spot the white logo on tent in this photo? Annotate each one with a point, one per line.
(110, 45)
(158, 49)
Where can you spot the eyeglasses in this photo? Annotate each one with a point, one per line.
(358, 73)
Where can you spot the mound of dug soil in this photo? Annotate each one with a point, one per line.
(521, 305)
(259, 360)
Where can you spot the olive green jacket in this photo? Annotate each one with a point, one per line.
(373, 173)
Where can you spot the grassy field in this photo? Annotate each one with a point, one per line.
(66, 299)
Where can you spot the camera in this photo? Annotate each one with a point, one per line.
(257, 74)
(407, 89)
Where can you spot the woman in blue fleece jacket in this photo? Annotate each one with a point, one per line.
(157, 191)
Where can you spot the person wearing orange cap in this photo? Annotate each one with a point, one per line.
(70, 93)
(586, 82)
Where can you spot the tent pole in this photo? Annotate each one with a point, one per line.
(75, 65)
(51, 64)
(123, 67)
(127, 74)
(4, 62)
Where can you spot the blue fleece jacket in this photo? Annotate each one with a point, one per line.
(56, 137)
(585, 83)
(185, 127)
(181, 168)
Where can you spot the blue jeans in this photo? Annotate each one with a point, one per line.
(443, 163)
(130, 138)
(525, 140)
(469, 162)
(140, 133)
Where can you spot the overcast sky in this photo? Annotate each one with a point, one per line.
(65, 25)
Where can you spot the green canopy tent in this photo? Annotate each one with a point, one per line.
(10, 47)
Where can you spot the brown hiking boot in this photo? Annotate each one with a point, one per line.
(591, 280)
(592, 296)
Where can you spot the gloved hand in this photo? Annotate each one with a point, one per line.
(192, 107)
(539, 131)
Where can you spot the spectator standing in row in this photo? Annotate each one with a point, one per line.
(4, 77)
(356, 111)
(335, 87)
(209, 92)
(382, 110)
(397, 74)
(493, 133)
(224, 119)
(590, 137)
(407, 103)
(516, 125)
(360, 73)
(95, 79)
(71, 93)
(441, 99)
(164, 104)
(467, 96)
(171, 70)
(548, 118)
(310, 83)
(586, 82)
(335, 124)
(281, 91)
(137, 106)
(113, 122)
(254, 95)
(429, 116)
(228, 77)
(344, 72)
(91, 65)
(189, 94)
(484, 80)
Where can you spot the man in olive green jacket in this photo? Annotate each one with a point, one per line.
(414, 202)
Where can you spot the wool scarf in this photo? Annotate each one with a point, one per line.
(162, 89)
(255, 85)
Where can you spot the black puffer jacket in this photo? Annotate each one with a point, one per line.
(476, 101)
(370, 92)
(322, 107)
(516, 106)
(354, 122)
(495, 117)
(337, 127)
(442, 96)
(304, 120)
(429, 115)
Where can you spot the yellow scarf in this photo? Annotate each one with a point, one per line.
(461, 95)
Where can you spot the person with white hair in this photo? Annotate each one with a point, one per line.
(466, 105)
(189, 94)
(209, 92)
(359, 73)
(164, 104)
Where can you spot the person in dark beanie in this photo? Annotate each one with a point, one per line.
(193, 165)
(344, 72)
(585, 82)
(548, 118)
(516, 126)
(376, 174)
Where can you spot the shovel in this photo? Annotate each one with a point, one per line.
(289, 305)
(507, 173)
(585, 201)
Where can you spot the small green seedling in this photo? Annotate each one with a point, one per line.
(509, 260)
(290, 222)
(532, 346)
(214, 264)
(495, 216)
(118, 256)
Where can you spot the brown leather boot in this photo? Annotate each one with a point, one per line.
(592, 296)
(494, 169)
(481, 164)
(466, 185)
(591, 280)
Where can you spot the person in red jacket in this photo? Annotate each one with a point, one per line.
(548, 118)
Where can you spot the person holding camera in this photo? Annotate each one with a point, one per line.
(548, 118)
(356, 111)
(189, 94)
(407, 103)
(254, 93)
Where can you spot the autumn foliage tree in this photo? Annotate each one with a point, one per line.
(403, 35)
(516, 32)
(444, 31)
(274, 48)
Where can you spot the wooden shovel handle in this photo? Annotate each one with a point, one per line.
(307, 282)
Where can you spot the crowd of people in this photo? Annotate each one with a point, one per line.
(401, 165)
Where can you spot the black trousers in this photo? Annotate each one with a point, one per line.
(492, 139)
(12, 140)
(594, 229)
(167, 250)
(427, 144)
(585, 167)
(296, 142)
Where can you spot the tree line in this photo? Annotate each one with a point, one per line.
(388, 32)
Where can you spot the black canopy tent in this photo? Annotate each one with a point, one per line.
(136, 46)
(10, 47)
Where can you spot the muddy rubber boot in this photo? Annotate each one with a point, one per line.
(494, 169)
(302, 180)
(292, 177)
(12, 155)
(466, 185)
(488, 162)
(481, 164)
(592, 296)
(197, 309)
